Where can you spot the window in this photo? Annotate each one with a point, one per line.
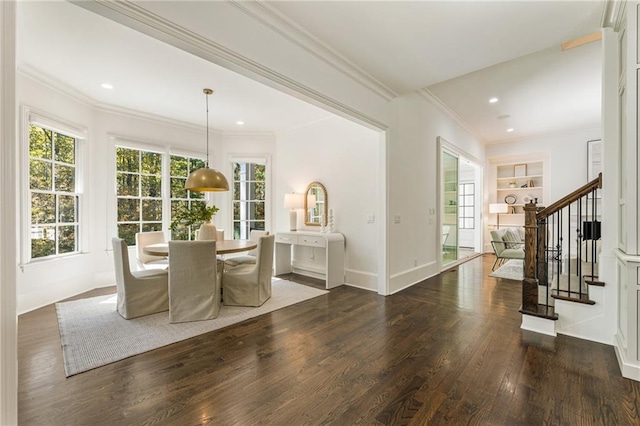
(53, 193)
(139, 192)
(466, 204)
(180, 167)
(249, 184)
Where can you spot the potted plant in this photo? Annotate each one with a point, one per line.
(199, 213)
(512, 184)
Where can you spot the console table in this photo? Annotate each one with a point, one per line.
(312, 254)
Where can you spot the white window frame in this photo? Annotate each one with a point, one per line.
(257, 159)
(50, 122)
(112, 196)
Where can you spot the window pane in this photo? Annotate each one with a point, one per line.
(196, 195)
(43, 208)
(65, 178)
(468, 211)
(151, 163)
(152, 210)
(66, 239)
(177, 188)
(40, 173)
(65, 149)
(127, 160)
(177, 205)
(259, 191)
(40, 142)
(258, 211)
(128, 210)
(181, 233)
(236, 190)
(236, 171)
(152, 226)
(127, 231)
(236, 210)
(179, 166)
(151, 186)
(258, 225)
(67, 208)
(128, 184)
(469, 223)
(195, 163)
(43, 241)
(468, 200)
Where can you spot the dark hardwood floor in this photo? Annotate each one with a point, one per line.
(446, 351)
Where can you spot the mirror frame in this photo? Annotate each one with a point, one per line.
(306, 208)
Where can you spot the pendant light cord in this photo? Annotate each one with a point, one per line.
(207, 100)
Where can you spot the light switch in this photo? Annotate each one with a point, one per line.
(396, 218)
(371, 218)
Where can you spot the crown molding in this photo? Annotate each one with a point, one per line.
(271, 17)
(533, 136)
(428, 96)
(140, 19)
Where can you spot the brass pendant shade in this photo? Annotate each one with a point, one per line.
(206, 179)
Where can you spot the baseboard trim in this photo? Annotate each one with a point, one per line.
(630, 371)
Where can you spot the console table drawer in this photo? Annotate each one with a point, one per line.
(286, 239)
(305, 240)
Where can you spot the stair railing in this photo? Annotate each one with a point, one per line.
(560, 252)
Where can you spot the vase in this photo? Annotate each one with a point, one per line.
(207, 232)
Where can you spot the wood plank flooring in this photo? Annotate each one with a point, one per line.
(446, 351)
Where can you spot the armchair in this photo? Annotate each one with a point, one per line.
(507, 244)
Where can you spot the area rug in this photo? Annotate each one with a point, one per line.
(93, 334)
(512, 270)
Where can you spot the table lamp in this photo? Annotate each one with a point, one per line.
(293, 202)
(498, 208)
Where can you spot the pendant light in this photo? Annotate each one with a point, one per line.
(207, 179)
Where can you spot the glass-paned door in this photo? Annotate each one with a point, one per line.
(449, 208)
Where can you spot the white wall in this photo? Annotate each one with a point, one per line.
(42, 282)
(567, 158)
(343, 156)
(414, 251)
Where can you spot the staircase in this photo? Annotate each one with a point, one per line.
(562, 244)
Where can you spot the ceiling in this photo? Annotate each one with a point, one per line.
(462, 52)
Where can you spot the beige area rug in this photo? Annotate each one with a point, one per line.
(93, 334)
(512, 270)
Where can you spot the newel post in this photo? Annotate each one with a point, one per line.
(530, 282)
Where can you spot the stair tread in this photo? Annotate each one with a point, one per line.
(572, 296)
(544, 311)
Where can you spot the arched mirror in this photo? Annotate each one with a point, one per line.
(315, 205)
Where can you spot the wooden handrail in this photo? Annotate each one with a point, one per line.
(574, 196)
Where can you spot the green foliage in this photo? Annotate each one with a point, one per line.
(186, 217)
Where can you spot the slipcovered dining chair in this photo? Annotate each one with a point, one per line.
(139, 293)
(250, 284)
(194, 284)
(250, 257)
(147, 261)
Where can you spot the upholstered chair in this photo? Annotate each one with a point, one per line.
(250, 257)
(250, 284)
(507, 244)
(139, 293)
(194, 287)
(147, 261)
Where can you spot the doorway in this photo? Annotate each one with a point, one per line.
(461, 207)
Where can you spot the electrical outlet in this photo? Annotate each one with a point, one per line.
(371, 218)
(396, 218)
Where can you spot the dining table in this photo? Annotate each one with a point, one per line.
(222, 247)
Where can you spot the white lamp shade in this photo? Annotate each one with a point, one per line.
(498, 208)
(293, 201)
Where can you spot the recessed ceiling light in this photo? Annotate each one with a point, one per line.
(510, 130)
(239, 122)
(493, 100)
(106, 86)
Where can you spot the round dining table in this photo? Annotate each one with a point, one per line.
(222, 247)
